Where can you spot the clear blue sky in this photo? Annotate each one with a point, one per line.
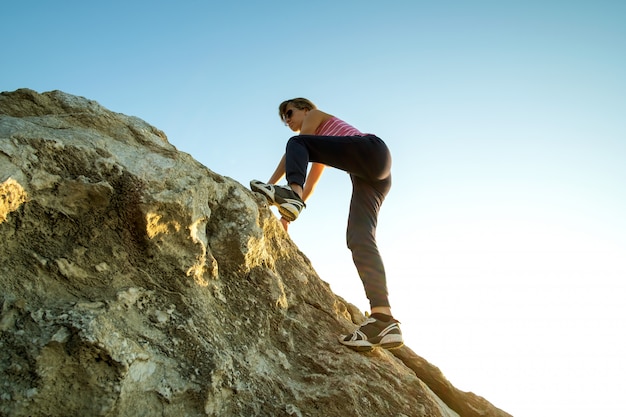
(504, 235)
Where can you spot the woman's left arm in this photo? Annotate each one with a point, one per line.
(311, 122)
(311, 180)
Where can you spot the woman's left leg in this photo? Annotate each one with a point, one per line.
(361, 237)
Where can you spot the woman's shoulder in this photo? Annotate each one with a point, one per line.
(313, 120)
(319, 114)
(318, 117)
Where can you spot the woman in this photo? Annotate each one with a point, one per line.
(326, 140)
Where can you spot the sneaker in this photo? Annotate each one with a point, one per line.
(288, 202)
(374, 333)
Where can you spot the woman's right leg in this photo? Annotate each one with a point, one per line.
(363, 156)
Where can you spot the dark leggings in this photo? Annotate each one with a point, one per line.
(368, 161)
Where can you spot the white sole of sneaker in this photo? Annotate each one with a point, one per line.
(288, 211)
(390, 341)
(288, 208)
(266, 189)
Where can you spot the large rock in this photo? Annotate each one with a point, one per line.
(135, 281)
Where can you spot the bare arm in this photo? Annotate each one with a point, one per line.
(279, 173)
(310, 124)
(311, 181)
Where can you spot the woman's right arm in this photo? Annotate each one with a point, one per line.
(279, 173)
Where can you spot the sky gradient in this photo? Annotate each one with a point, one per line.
(504, 235)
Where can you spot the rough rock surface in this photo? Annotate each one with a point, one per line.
(137, 282)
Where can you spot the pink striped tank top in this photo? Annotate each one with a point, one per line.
(337, 127)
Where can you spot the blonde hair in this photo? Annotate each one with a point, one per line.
(298, 103)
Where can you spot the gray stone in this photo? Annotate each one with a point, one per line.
(137, 282)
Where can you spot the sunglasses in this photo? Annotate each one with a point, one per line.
(287, 115)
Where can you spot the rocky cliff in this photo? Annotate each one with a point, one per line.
(137, 282)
